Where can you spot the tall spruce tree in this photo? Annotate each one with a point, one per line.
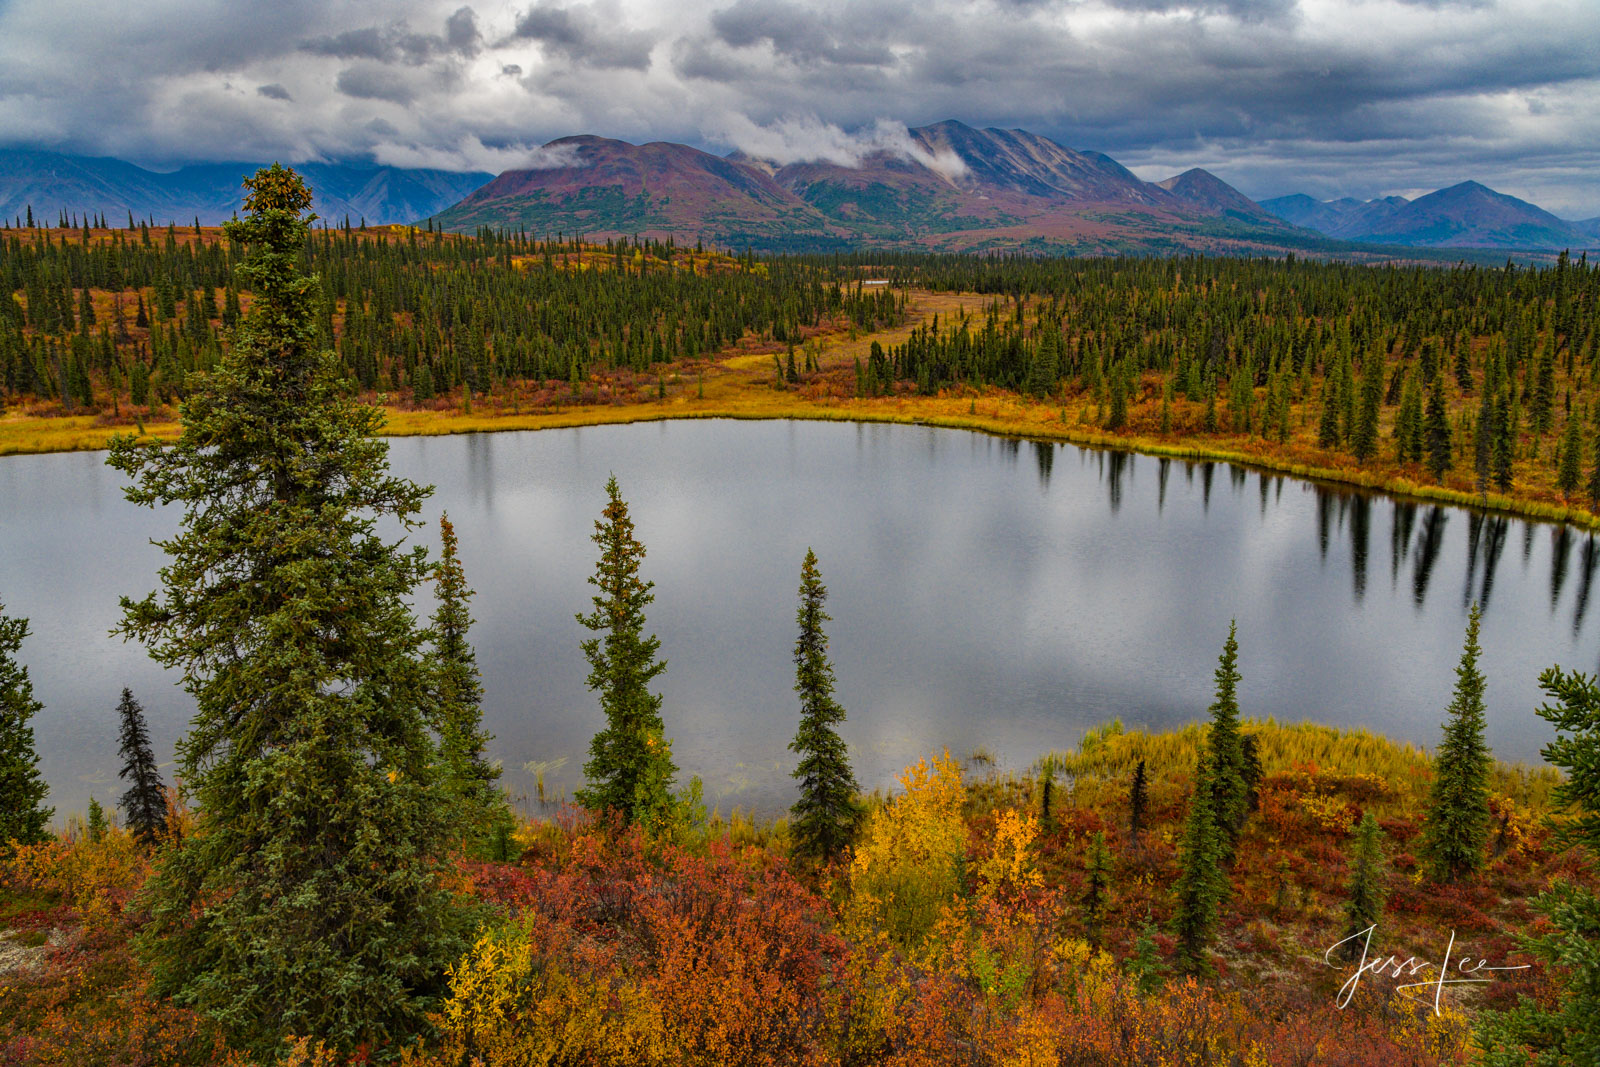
(458, 691)
(630, 768)
(1569, 471)
(1567, 1030)
(1436, 430)
(22, 815)
(307, 900)
(1363, 905)
(1230, 789)
(1364, 438)
(145, 802)
(1457, 824)
(1202, 884)
(826, 813)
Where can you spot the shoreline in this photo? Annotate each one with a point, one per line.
(80, 434)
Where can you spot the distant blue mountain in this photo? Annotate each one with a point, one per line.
(51, 183)
(1468, 215)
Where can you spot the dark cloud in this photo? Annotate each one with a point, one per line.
(800, 34)
(1358, 96)
(373, 82)
(577, 34)
(461, 32)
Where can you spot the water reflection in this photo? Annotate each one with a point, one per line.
(1560, 548)
(1117, 467)
(1586, 567)
(1044, 453)
(1360, 528)
(977, 598)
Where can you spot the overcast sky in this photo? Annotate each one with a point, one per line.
(1329, 97)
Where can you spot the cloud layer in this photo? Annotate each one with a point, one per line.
(1330, 97)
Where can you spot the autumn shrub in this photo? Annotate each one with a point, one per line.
(907, 864)
(98, 878)
(635, 951)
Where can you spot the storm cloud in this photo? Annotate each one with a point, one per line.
(1329, 97)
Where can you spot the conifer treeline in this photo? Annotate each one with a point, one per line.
(406, 311)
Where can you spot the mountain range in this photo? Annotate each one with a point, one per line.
(1468, 215)
(51, 183)
(947, 186)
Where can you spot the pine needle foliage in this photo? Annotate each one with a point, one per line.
(630, 768)
(1097, 872)
(458, 689)
(145, 802)
(307, 899)
(1202, 884)
(827, 812)
(1230, 790)
(1457, 824)
(1567, 1031)
(22, 815)
(1363, 906)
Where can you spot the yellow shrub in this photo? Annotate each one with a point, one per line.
(97, 877)
(1009, 866)
(907, 863)
(510, 1008)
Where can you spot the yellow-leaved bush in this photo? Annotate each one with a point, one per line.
(906, 867)
(514, 1003)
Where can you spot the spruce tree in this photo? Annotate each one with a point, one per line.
(307, 900)
(1594, 477)
(1456, 827)
(1569, 471)
(1328, 426)
(145, 802)
(1364, 438)
(1230, 790)
(1566, 1029)
(1096, 885)
(1202, 884)
(1138, 803)
(1436, 430)
(826, 812)
(1363, 905)
(22, 816)
(1045, 369)
(96, 823)
(1503, 451)
(458, 692)
(630, 767)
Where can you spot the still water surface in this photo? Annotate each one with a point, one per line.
(985, 592)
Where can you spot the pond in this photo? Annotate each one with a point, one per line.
(986, 594)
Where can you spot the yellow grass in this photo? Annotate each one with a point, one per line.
(1104, 762)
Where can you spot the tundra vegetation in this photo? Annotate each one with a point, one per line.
(338, 880)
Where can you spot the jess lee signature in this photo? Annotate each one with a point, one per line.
(1466, 971)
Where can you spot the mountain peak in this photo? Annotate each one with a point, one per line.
(1203, 189)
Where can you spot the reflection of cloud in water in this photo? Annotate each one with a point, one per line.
(977, 600)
